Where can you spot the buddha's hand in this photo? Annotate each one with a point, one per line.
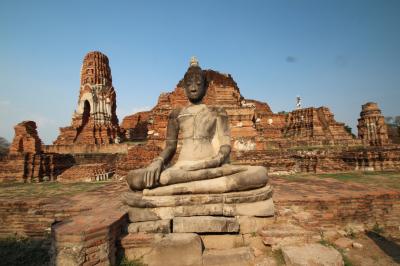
(215, 161)
(152, 173)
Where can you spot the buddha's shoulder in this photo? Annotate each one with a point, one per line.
(175, 113)
(220, 111)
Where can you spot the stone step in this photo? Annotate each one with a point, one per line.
(312, 254)
(241, 256)
(222, 241)
(159, 226)
(178, 249)
(205, 224)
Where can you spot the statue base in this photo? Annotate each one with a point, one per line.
(197, 229)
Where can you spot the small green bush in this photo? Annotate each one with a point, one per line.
(24, 251)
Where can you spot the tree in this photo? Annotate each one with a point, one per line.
(4, 145)
(397, 120)
(349, 130)
(389, 120)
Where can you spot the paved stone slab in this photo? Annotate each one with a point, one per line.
(205, 224)
(171, 249)
(222, 241)
(228, 257)
(160, 226)
(260, 208)
(142, 215)
(311, 254)
(250, 224)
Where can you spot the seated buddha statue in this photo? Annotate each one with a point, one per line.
(203, 162)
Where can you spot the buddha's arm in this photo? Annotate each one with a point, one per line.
(153, 171)
(171, 137)
(223, 134)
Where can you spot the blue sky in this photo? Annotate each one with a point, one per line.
(340, 54)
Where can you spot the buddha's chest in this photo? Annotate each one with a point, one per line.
(197, 123)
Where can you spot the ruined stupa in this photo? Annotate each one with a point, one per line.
(95, 120)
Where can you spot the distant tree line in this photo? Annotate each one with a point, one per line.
(393, 123)
(350, 131)
(393, 120)
(4, 145)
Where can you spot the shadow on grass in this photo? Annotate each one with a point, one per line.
(391, 248)
(24, 251)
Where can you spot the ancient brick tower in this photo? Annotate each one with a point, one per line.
(372, 129)
(26, 138)
(94, 121)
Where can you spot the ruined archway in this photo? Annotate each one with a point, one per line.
(86, 113)
(85, 119)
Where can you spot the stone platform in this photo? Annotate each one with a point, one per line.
(179, 226)
(325, 203)
(314, 204)
(255, 202)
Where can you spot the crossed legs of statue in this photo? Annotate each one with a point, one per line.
(226, 178)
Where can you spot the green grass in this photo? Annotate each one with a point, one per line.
(47, 189)
(386, 179)
(24, 251)
(126, 262)
(278, 256)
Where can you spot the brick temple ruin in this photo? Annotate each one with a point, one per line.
(96, 147)
(95, 120)
(91, 228)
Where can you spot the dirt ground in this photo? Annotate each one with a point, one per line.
(377, 250)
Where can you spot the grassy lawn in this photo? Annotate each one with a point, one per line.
(387, 179)
(47, 189)
(24, 251)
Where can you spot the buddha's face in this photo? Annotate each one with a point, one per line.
(195, 88)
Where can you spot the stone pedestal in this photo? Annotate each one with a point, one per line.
(197, 229)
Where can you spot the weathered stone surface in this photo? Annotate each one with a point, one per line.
(250, 224)
(136, 199)
(222, 241)
(142, 215)
(205, 224)
(343, 242)
(172, 249)
(140, 240)
(255, 242)
(233, 257)
(311, 254)
(261, 208)
(284, 234)
(179, 211)
(160, 226)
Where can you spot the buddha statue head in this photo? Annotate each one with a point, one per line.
(194, 82)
